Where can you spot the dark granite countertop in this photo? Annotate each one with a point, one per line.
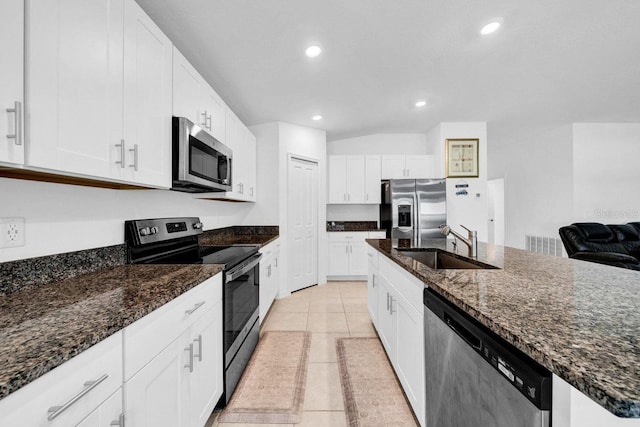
(42, 327)
(240, 235)
(341, 226)
(578, 319)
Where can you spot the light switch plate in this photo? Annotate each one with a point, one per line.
(12, 232)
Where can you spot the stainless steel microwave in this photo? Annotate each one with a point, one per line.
(201, 163)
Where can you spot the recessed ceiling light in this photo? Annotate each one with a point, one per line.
(313, 51)
(491, 27)
(421, 103)
(316, 117)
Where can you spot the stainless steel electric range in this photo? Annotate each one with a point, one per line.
(175, 241)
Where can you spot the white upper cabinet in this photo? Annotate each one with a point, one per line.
(147, 98)
(372, 179)
(99, 79)
(352, 179)
(408, 167)
(337, 179)
(75, 80)
(194, 99)
(251, 158)
(11, 83)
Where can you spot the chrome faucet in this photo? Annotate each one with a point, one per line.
(471, 241)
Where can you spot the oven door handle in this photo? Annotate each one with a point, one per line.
(243, 268)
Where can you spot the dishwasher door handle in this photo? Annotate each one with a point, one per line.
(463, 333)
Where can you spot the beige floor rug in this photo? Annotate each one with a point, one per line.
(271, 390)
(372, 394)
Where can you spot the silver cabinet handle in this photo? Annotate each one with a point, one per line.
(122, 150)
(209, 120)
(190, 364)
(17, 133)
(89, 385)
(199, 341)
(204, 118)
(119, 421)
(373, 281)
(387, 301)
(367, 197)
(195, 307)
(391, 299)
(135, 157)
(276, 259)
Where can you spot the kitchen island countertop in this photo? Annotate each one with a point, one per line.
(578, 319)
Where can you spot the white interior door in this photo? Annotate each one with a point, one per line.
(495, 194)
(302, 224)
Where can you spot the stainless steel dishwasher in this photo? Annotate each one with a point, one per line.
(476, 379)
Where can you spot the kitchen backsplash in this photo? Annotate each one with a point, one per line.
(353, 212)
(33, 272)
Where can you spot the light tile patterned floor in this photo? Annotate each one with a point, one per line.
(330, 311)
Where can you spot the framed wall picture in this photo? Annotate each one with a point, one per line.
(462, 158)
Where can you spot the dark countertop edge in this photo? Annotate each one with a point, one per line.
(355, 231)
(238, 237)
(91, 339)
(587, 385)
(271, 240)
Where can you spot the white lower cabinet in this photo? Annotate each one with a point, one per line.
(269, 276)
(107, 414)
(395, 298)
(156, 396)
(72, 392)
(181, 385)
(348, 253)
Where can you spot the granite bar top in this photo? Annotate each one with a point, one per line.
(578, 319)
(240, 235)
(42, 327)
(337, 226)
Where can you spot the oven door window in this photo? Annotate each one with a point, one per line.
(241, 299)
(207, 163)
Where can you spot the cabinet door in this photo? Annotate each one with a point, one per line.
(355, 179)
(393, 167)
(233, 132)
(206, 380)
(410, 352)
(337, 179)
(358, 258)
(155, 396)
(147, 98)
(372, 179)
(420, 167)
(186, 90)
(75, 78)
(338, 258)
(110, 411)
(214, 109)
(266, 284)
(386, 321)
(372, 293)
(11, 84)
(251, 173)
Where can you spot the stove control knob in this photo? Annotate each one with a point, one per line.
(153, 230)
(145, 231)
(197, 225)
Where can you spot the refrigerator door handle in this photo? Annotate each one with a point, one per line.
(416, 220)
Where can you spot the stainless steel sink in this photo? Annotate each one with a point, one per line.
(443, 260)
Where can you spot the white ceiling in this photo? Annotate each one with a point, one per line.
(553, 62)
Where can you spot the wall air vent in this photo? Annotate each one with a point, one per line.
(544, 245)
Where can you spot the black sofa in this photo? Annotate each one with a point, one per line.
(616, 245)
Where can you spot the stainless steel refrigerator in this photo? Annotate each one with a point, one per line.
(413, 208)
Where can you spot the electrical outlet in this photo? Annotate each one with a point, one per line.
(12, 232)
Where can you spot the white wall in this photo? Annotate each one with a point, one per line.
(385, 143)
(471, 210)
(63, 218)
(353, 213)
(606, 172)
(538, 182)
